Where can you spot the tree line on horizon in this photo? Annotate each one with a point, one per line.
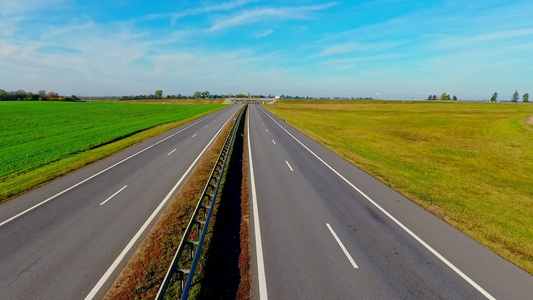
(443, 97)
(514, 98)
(41, 95)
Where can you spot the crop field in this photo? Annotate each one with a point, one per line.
(36, 134)
(471, 164)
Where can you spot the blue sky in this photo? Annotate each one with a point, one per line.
(389, 49)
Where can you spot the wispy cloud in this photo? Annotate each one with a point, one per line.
(487, 37)
(175, 16)
(263, 33)
(353, 47)
(14, 7)
(268, 13)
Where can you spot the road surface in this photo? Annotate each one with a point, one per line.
(70, 238)
(323, 229)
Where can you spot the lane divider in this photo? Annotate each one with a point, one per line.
(113, 195)
(355, 266)
(288, 165)
(171, 152)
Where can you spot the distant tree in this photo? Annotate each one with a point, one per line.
(430, 97)
(443, 96)
(525, 98)
(240, 96)
(205, 94)
(159, 94)
(454, 98)
(197, 94)
(52, 95)
(494, 97)
(434, 97)
(448, 97)
(515, 97)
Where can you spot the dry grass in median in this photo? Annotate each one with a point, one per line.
(143, 274)
(470, 164)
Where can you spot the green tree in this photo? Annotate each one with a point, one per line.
(430, 97)
(494, 97)
(434, 97)
(525, 98)
(454, 98)
(515, 97)
(443, 96)
(205, 94)
(159, 94)
(240, 96)
(197, 94)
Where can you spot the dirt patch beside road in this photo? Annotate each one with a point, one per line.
(529, 120)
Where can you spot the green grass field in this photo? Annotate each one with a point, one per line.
(470, 164)
(37, 134)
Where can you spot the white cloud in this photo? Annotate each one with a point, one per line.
(268, 13)
(263, 33)
(7, 49)
(15, 7)
(353, 47)
(486, 37)
(175, 16)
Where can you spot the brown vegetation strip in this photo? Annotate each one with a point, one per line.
(245, 287)
(141, 277)
(529, 120)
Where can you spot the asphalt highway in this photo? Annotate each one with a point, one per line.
(323, 229)
(70, 238)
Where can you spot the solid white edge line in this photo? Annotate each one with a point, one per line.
(288, 165)
(93, 176)
(121, 256)
(438, 255)
(113, 195)
(194, 135)
(171, 152)
(355, 266)
(263, 295)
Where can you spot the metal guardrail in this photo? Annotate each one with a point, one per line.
(186, 258)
